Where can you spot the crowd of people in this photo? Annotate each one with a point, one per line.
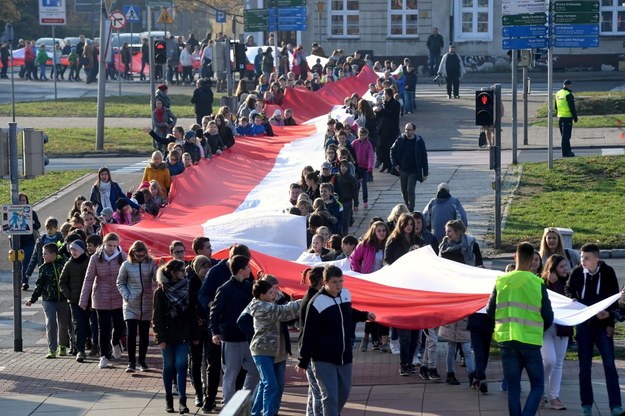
(216, 323)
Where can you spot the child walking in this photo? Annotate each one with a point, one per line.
(55, 306)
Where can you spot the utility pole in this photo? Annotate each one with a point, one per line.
(104, 44)
(18, 342)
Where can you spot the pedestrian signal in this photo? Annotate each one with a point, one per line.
(484, 108)
(160, 52)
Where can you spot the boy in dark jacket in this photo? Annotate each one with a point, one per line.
(326, 191)
(52, 235)
(347, 189)
(55, 305)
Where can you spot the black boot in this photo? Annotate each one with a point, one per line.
(199, 399)
(182, 406)
(209, 404)
(169, 403)
(451, 379)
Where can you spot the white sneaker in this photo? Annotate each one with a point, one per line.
(394, 347)
(416, 361)
(104, 362)
(117, 352)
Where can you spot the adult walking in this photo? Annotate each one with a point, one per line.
(202, 99)
(435, 44)
(452, 68)
(567, 114)
(388, 114)
(441, 210)
(409, 156)
(522, 311)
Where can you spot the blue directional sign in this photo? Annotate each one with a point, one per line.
(288, 18)
(577, 30)
(524, 43)
(523, 31)
(576, 42)
(220, 16)
(131, 12)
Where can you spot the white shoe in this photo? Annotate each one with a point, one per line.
(117, 352)
(104, 362)
(416, 361)
(394, 347)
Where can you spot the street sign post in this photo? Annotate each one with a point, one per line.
(576, 24)
(524, 43)
(52, 12)
(576, 6)
(220, 16)
(118, 20)
(576, 42)
(165, 17)
(577, 30)
(524, 19)
(524, 31)
(255, 20)
(131, 12)
(17, 219)
(568, 18)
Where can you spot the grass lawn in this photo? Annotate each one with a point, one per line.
(595, 109)
(586, 194)
(124, 106)
(81, 140)
(42, 186)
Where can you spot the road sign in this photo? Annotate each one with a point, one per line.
(524, 31)
(255, 20)
(220, 16)
(17, 219)
(288, 19)
(52, 12)
(287, 3)
(576, 30)
(132, 13)
(568, 18)
(165, 17)
(509, 7)
(524, 43)
(118, 20)
(525, 19)
(577, 42)
(159, 3)
(576, 6)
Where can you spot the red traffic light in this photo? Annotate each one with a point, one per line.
(159, 46)
(484, 99)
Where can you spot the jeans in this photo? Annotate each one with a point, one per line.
(587, 337)
(144, 339)
(313, 405)
(280, 370)
(430, 353)
(408, 183)
(265, 400)
(514, 359)
(433, 62)
(453, 81)
(480, 341)
(469, 358)
(81, 326)
(335, 383)
(235, 355)
(104, 329)
(553, 352)
(198, 364)
(175, 363)
(409, 102)
(408, 342)
(57, 323)
(28, 253)
(42, 72)
(362, 175)
(212, 352)
(347, 216)
(566, 129)
(93, 325)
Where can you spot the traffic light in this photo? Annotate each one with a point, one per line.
(240, 59)
(160, 52)
(484, 108)
(34, 158)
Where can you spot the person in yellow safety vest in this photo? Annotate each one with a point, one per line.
(522, 312)
(565, 109)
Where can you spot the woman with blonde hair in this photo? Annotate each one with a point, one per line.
(396, 212)
(551, 243)
(157, 170)
(134, 282)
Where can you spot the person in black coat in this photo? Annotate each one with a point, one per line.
(409, 156)
(203, 100)
(389, 127)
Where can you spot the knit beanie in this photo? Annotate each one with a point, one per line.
(78, 245)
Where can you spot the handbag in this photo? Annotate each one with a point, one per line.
(482, 139)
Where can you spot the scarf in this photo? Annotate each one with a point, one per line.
(465, 246)
(160, 114)
(109, 258)
(105, 194)
(178, 295)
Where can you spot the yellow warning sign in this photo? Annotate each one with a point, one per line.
(165, 17)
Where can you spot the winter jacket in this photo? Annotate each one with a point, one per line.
(440, 210)
(135, 284)
(421, 156)
(73, 276)
(231, 299)
(362, 259)
(160, 174)
(167, 328)
(217, 275)
(365, 156)
(175, 169)
(347, 188)
(328, 329)
(48, 285)
(267, 324)
(115, 194)
(589, 289)
(101, 282)
(244, 131)
(203, 100)
(37, 257)
(455, 331)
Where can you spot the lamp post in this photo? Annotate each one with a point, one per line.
(320, 9)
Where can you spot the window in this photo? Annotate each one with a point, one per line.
(612, 17)
(403, 18)
(344, 19)
(473, 20)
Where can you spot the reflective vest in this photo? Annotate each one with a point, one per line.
(563, 105)
(519, 301)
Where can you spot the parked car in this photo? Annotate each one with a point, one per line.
(49, 42)
(133, 40)
(73, 39)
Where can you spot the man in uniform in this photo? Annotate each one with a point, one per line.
(565, 108)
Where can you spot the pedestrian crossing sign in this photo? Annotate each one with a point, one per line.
(132, 13)
(17, 219)
(165, 17)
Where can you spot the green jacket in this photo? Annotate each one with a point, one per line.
(42, 57)
(48, 284)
